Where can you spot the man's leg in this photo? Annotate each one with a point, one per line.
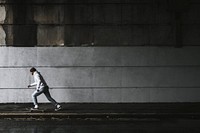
(34, 96)
(48, 95)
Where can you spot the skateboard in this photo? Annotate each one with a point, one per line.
(57, 109)
(41, 110)
(35, 110)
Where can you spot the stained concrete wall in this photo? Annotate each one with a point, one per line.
(98, 74)
(100, 22)
(101, 74)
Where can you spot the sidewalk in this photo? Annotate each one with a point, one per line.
(105, 111)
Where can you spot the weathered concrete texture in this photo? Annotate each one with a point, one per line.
(51, 14)
(9, 34)
(191, 34)
(162, 13)
(22, 14)
(2, 36)
(105, 77)
(132, 35)
(15, 95)
(50, 35)
(79, 35)
(174, 94)
(107, 14)
(80, 1)
(161, 35)
(138, 14)
(107, 35)
(109, 95)
(3, 14)
(9, 14)
(154, 56)
(17, 57)
(74, 56)
(2, 1)
(78, 14)
(2, 31)
(99, 74)
(20, 35)
(118, 56)
(24, 35)
(50, 1)
(101, 22)
(191, 15)
(160, 77)
(100, 56)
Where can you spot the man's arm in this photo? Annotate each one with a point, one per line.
(33, 84)
(36, 83)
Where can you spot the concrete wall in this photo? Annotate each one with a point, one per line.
(100, 22)
(99, 74)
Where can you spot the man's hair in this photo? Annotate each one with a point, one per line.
(32, 69)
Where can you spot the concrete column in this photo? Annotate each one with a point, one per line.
(2, 19)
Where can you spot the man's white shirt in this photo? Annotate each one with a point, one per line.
(39, 81)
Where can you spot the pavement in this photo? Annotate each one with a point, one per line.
(108, 111)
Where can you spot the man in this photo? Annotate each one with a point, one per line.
(41, 87)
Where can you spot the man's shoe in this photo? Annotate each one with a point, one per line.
(58, 107)
(36, 107)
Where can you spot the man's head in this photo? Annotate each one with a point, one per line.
(32, 70)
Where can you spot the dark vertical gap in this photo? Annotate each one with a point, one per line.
(64, 26)
(69, 19)
(121, 41)
(24, 34)
(93, 24)
(178, 32)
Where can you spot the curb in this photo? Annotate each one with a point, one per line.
(103, 115)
